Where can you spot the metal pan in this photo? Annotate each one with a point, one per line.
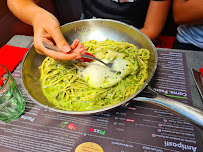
(102, 29)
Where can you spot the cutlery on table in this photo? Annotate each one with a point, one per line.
(198, 77)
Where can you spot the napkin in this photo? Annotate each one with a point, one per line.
(10, 57)
(201, 71)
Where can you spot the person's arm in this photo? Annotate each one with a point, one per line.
(156, 16)
(46, 28)
(25, 10)
(188, 11)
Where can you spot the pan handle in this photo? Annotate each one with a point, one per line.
(190, 113)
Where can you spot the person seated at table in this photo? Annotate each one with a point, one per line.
(189, 15)
(47, 28)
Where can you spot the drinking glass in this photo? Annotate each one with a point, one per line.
(12, 103)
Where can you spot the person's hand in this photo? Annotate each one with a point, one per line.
(47, 28)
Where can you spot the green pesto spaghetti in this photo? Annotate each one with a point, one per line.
(81, 86)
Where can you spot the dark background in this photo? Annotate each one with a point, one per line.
(70, 11)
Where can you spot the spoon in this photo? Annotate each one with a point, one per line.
(55, 48)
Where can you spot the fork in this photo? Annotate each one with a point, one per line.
(55, 48)
(109, 65)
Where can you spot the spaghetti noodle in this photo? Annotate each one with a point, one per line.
(63, 84)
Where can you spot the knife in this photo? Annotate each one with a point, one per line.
(198, 81)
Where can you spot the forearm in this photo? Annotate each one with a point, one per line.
(188, 11)
(155, 19)
(25, 10)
